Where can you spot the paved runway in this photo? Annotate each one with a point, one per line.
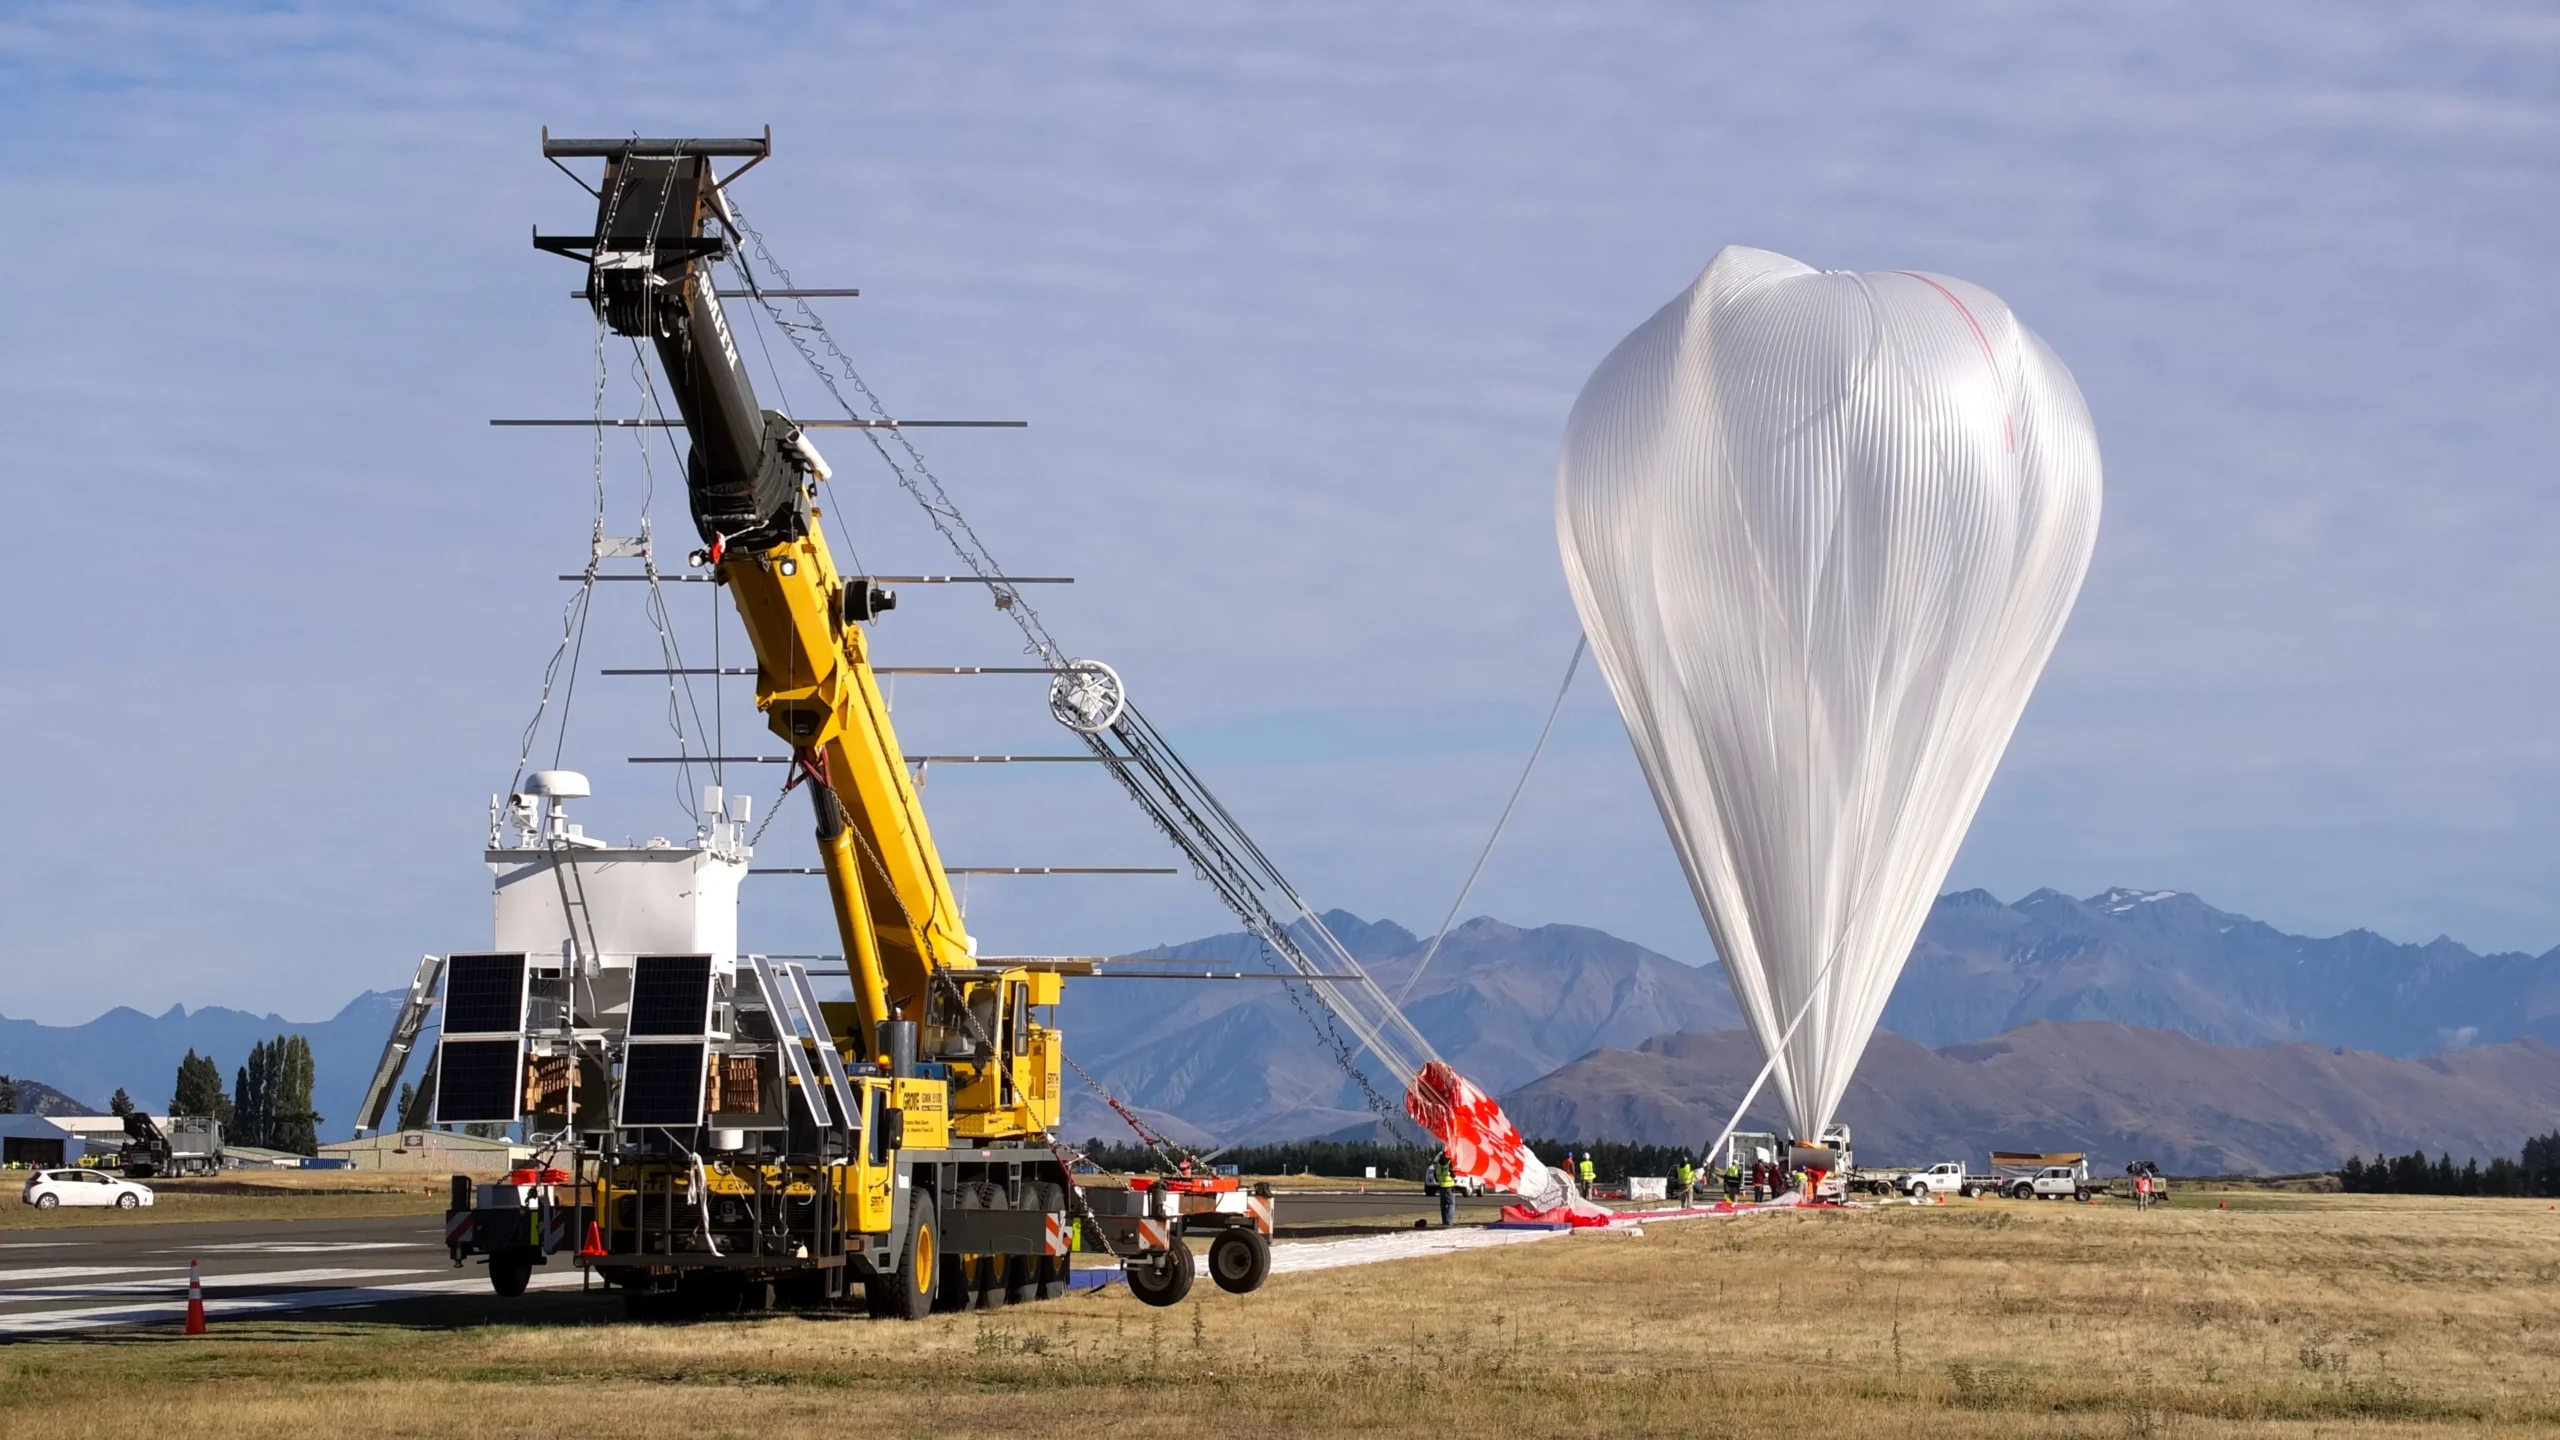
(52, 1281)
(55, 1282)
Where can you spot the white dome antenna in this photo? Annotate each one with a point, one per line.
(558, 785)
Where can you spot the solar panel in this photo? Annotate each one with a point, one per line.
(484, 995)
(670, 996)
(662, 1085)
(478, 1080)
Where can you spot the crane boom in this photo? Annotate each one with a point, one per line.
(751, 478)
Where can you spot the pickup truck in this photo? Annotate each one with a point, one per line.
(2053, 1182)
(1947, 1177)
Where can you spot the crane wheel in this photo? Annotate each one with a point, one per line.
(987, 1287)
(1239, 1260)
(951, 1283)
(1053, 1271)
(1162, 1279)
(1022, 1279)
(908, 1294)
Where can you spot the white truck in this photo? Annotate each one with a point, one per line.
(1467, 1185)
(2033, 1175)
(1947, 1177)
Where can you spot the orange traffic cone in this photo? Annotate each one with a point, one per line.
(593, 1249)
(195, 1300)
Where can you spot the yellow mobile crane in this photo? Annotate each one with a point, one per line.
(749, 1144)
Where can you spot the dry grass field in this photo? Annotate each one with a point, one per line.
(2283, 1315)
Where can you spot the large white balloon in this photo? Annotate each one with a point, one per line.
(1823, 529)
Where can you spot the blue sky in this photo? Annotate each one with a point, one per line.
(1295, 300)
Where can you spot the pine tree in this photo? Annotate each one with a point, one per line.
(8, 1096)
(2542, 1164)
(2503, 1177)
(293, 1124)
(120, 1104)
(2409, 1174)
(253, 1120)
(199, 1090)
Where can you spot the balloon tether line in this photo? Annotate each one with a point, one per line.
(1580, 643)
(1772, 1063)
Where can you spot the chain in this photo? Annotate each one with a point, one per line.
(1154, 1139)
(1068, 1157)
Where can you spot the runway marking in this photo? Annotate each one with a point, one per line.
(312, 1247)
(74, 1272)
(97, 1317)
(37, 1244)
(305, 1277)
(176, 1284)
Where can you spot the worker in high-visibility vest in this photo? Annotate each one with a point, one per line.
(1732, 1177)
(1586, 1172)
(1444, 1178)
(1684, 1176)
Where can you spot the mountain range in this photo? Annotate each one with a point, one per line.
(1236, 1060)
(137, 1053)
(1591, 1033)
(37, 1098)
(2169, 961)
(2116, 1092)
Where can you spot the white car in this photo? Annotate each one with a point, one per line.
(50, 1189)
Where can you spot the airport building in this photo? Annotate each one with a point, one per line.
(438, 1152)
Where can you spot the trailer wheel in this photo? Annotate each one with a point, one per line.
(510, 1271)
(1163, 1279)
(1239, 1260)
(909, 1294)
